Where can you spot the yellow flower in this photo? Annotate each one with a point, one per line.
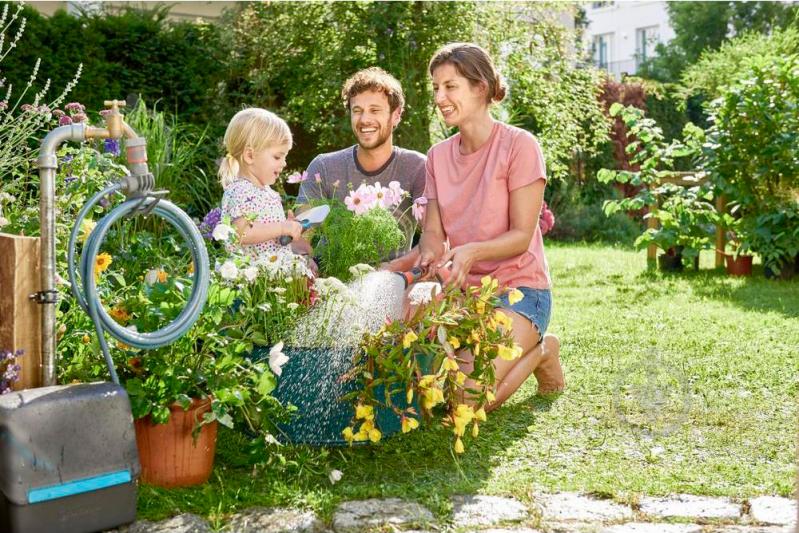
(360, 436)
(450, 364)
(162, 276)
(427, 381)
(190, 270)
(375, 435)
(86, 227)
(490, 396)
(364, 411)
(476, 349)
(475, 430)
(409, 424)
(514, 296)
(460, 378)
(86, 339)
(503, 320)
(408, 339)
(459, 445)
(474, 335)
(432, 397)
(455, 343)
(119, 314)
(481, 307)
(489, 283)
(509, 354)
(480, 415)
(409, 396)
(102, 262)
(461, 418)
(348, 435)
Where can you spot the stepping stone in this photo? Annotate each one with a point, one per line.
(182, 523)
(363, 515)
(485, 510)
(571, 506)
(274, 520)
(686, 505)
(773, 510)
(648, 527)
(494, 530)
(572, 527)
(754, 529)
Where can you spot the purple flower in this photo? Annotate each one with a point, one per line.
(79, 117)
(111, 146)
(209, 222)
(58, 113)
(26, 107)
(75, 107)
(70, 179)
(64, 121)
(104, 112)
(66, 159)
(9, 370)
(3, 105)
(104, 202)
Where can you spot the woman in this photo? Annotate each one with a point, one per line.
(485, 187)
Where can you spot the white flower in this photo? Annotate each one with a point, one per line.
(292, 306)
(59, 280)
(222, 232)
(4, 221)
(334, 476)
(6, 198)
(151, 277)
(229, 270)
(278, 290)
(250, 273)
(361, 269)
(422, 293)
(277, 358)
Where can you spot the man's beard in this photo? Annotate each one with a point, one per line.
(382, 137)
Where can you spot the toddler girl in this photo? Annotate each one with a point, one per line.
(257, 142)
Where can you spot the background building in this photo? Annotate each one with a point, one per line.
(621, 35)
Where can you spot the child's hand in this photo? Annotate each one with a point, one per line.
(291, 228)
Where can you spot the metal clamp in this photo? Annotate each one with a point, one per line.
(45, 297)
(143, 207)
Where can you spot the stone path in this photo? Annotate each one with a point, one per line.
(565, 512)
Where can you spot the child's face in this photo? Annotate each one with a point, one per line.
(267, 164)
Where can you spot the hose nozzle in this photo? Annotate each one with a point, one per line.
(411, 276)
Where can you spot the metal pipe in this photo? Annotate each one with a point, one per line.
(48, 164)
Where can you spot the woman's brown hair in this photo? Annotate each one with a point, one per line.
(473, 63)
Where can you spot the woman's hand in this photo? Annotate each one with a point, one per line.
(403, 263)
(463, 258)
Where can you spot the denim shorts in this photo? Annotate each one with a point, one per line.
(536, 306)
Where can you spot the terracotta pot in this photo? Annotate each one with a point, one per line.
(742, 266)
(170, 456)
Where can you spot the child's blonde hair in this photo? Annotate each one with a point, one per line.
(254, 128)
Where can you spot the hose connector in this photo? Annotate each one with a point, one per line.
(411, 276)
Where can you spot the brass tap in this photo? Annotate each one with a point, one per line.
(115, 126)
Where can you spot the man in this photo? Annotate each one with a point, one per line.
(375, 102)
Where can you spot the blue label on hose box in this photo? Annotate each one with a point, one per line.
(78, 486)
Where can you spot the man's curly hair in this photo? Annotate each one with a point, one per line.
(373, 79)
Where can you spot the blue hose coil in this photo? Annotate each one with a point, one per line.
(85, 291)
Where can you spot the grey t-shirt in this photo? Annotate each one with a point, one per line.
(405, 166)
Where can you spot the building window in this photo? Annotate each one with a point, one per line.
(645, 41)
(601, 49)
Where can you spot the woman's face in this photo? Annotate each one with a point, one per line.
(455, 97)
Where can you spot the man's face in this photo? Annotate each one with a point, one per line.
(372, 120)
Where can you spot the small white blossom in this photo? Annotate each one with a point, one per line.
(229, 270)
(151, 277)
(4, 221)
(292, 306)
(222, 232)
(334, 476)
(360, 269)
(277, 358)
(250, 273)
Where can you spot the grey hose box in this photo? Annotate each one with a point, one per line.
(68, 459)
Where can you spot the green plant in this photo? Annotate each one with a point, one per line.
(419, 357)
(774, 235)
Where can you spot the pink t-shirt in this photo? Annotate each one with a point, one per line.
(473, 195)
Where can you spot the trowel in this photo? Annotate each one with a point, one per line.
(308, 219)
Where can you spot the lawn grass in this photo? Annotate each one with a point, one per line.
(676, 383)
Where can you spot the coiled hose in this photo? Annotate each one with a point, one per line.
(85, 291)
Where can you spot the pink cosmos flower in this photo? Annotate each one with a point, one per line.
(317, 177)
(357, 201)
(297, 177)
(418, 208)
(383, 196)
(546, 221)
(396, 193)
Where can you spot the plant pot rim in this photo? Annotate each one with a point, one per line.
(196, 403)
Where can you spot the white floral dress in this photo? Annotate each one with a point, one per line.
(242, 199)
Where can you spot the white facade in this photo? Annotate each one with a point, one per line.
(622, 34)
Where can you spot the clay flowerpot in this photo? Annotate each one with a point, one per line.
(740, 266)
(170, 456)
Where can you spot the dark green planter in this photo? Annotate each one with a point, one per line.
(670, 263)
(310, 381)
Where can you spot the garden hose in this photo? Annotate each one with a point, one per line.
(85, 291)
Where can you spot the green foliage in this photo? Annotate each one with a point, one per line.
(715, 70)
(775, 235)
(704, 26)
(754, 139)
(130, 53)
(346, 239)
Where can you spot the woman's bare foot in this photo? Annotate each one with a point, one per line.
(549, 373)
